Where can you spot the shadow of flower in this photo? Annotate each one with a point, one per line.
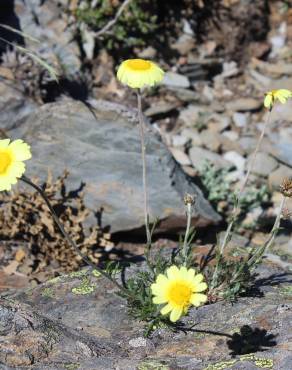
(250, 340)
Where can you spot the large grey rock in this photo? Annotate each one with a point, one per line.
(14, 107)
(77, 322)
(102, 149)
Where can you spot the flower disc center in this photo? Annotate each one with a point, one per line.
(5, 161)
(180, 294)
(139, 64)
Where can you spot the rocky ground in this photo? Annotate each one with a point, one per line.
(203, 123)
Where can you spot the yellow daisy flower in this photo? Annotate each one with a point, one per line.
(282, 95)
(138, 73)
(12, 155)
(179, 288)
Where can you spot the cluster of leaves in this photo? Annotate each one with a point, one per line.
(135, 25)
(25, 217)
(219, 188)
(234, 277)
(138, 286)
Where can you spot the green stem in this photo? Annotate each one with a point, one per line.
(254, 259)
(236, 208)
(143, 153)
(66, 235)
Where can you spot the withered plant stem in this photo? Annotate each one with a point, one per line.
(259, 252)
(237, 205)
(186, 238)
(70, 241)
(143, 153)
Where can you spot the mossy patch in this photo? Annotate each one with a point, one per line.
(55, 280)
(77, 274)
(152, 365)
(263, 363)
(286, 290)
(71, 366)
(221, 365)
(84, 288)
(96, 273)
(48, 293)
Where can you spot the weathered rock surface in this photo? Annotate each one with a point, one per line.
(77, 322)
(199, 156)
(14, 106)
(102, 149)
(46, 21)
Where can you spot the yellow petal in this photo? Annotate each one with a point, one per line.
(161, 279)
(172, 272)
(175, 314)
(197, 299)
(166, 309)
(191, 274)
(4, 143)
(282, 99)
(159, 300)
(183, 273)
(16, 169)
(200, 287)
(284, 93)
(198, 278)
(268, 102)
(21, 150)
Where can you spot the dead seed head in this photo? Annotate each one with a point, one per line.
(286, 188)
(189, 199)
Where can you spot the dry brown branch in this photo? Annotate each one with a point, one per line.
(112, 22)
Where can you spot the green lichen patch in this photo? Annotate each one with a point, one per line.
(84, 288)
(96, 273)
(286, 290)
(264, 363)
(77, 274)
(152, 365)
(221, 365)
(48, 293)
(71, 366)
(199, 335)
(55, 280)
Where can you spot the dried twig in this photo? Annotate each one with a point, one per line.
(112, 22)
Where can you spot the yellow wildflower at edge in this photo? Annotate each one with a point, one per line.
(12, 155)
(138, 73)
(282, 95)
(179, 288)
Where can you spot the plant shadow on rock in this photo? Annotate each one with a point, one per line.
(25, 219)
(270, 281)
(250, 340)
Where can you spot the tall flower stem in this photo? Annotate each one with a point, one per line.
(143, 153)
(237, 205)
(189, 201)
(69, 240)
(186, 238)
(259, 252)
